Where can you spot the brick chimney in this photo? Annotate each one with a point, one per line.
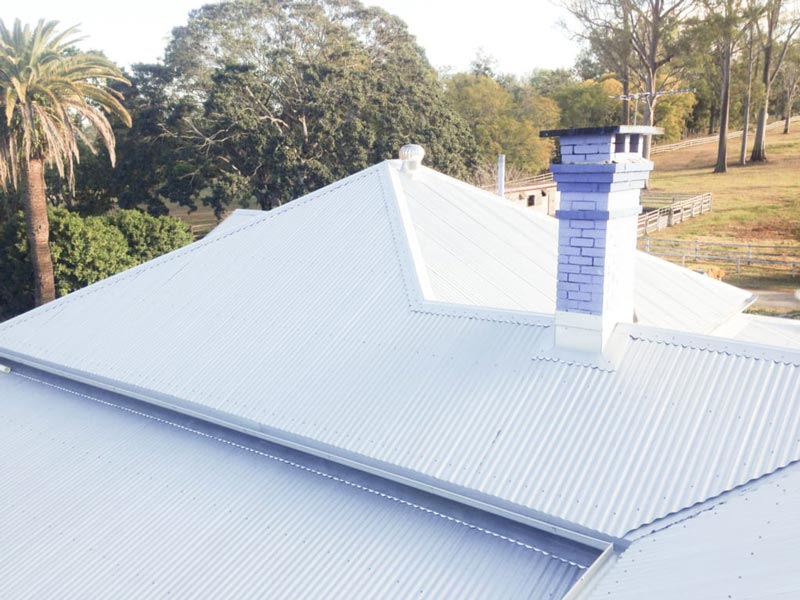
(600, 178)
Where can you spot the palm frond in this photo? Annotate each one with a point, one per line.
(48, 93)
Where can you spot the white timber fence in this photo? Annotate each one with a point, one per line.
(668, 209)
(783, 259)
(657, 149)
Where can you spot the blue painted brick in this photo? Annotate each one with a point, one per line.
(561, 294)
(580, 242)
(569, 268)
(568, 287)
(582, 224)
(578, 278)
(589, 288)
(579, 260)
(583, 205)
(593, 252)
(563, 259)
(598, 261)
(596, 306)
(591, 270)
(583, 296)
(568, 250)
(577, 187)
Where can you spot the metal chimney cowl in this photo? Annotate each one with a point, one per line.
(600, 179)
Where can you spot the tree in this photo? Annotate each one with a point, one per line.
(504, 121)
(605, 28)
(726, 23)
(790, 78)
(50, 92)
(748, 96)
(268, 100)
(589, 104)
(84, 250)
(776, 35)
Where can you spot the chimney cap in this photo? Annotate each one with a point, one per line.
(606, 130)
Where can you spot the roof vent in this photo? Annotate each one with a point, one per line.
(411, 155)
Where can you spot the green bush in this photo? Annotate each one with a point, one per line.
(85, 250)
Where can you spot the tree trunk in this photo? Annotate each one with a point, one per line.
(626, 104)
(724, 112)
(789, 101)
(745, 129)
(759, 153)
(746, 107)
(35, 206)
(649, 119)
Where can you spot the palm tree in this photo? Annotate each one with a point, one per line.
(52, 96)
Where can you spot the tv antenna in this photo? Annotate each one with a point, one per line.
(638, 95)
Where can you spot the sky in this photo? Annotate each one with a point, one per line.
(521, 36)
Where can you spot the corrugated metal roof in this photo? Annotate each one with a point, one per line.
(744, 546)
(306, 325)
(104, 502)
(760, 329)
(478, 249)
(239, 217)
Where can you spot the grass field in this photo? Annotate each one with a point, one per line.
(201, 221)
(756, 203)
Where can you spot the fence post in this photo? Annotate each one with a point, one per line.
(696, 248)
(749, 254)
(738, 265)
(647, 247)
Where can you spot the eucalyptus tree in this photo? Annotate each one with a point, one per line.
(605, 28)
(642, 40)
(776, 31)
(52, 97)
(274, 98)
(724, 24)
(790, 80)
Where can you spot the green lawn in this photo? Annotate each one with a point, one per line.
(758, 203)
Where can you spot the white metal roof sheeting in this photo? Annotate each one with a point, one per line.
(305, 323)
(100, 502)
(760, 329)
(480, 250)
(742, 547)
(239, 217)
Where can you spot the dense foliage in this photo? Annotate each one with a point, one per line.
(260, 102)
(52, 97)
(84, 249)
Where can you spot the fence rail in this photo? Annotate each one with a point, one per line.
(677, 211)
(657, 149)
(779, 258)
